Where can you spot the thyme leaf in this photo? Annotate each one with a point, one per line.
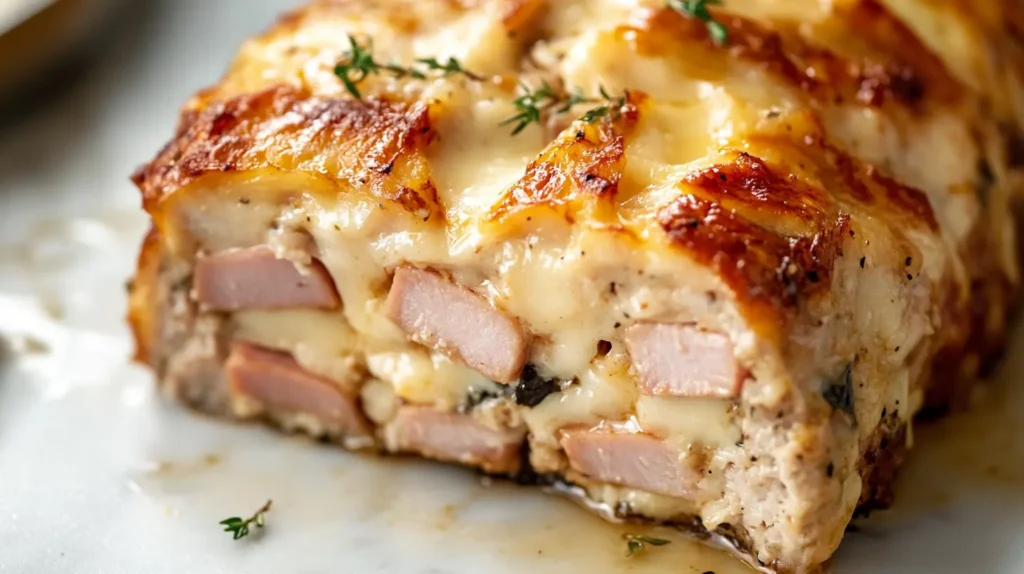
(530, 105)
(449, 67)
(357, 66)
(534, 103)
(699, 9)
(359, 63)
(638, 543)
(239, 527)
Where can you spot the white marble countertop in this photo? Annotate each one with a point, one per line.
(96, 475)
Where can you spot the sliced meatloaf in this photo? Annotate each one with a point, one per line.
(702, 262)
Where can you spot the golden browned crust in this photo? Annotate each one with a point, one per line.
(886, 450)
(141, 294)
(578, 174)
(375, 145)
(768, 270)
(891, 63)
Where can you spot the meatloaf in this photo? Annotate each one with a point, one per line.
(698, 262)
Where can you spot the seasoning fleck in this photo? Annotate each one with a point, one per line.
(638, 543)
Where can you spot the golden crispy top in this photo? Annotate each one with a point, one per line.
(761, 157)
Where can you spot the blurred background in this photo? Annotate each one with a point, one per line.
(89, 89)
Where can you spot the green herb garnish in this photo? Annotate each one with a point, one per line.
(638, 543)
(240, 527)
(530, 105)
(359, 64)
(699, 9)
(452, 66)
(533, 103)
(602, 111)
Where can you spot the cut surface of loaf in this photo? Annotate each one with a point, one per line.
(709, 279)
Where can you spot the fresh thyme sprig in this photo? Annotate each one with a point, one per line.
(638, 543)
(359, 64)
(602, 111)
(533, 103)
(240, 527)
(452, 66)
(699, 9)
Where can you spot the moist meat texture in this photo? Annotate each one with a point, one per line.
(698, 272)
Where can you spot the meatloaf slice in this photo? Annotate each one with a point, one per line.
(701, 272)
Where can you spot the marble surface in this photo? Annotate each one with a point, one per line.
(97, 475)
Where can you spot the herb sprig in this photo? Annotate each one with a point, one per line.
(535, 102)
(359, 64)
(449, 67)
(699, 9)
(638, 543)
(239, 527)
(602, 111)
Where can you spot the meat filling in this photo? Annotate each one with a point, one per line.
(254, 278)
(683, 361)
(277, 381)
(630, 459)
(455, 438)
(439, 313)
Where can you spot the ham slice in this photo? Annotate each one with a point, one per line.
(254, 278)
(634, 460)
(682, 361)
(455, 438)
(276, 380)
(442, 314)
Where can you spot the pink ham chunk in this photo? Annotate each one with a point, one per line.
(455, 438)
(682, 361)
(439, 313)
(633, 460)
(276, 380)
(254, 278)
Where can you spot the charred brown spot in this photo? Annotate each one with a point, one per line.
(908, 199)
(886, 450)
(747, 184)
(583, 166)
(1014, 146)
(773, 239)
(903, 70)
(880, 82)
(850, 180)
(374, 144)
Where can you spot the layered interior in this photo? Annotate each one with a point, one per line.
(573, 340)
(563, 352)
(399, 272)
